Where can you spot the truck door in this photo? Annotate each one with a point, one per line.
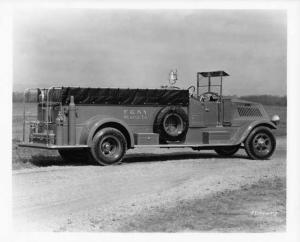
(196, 114)
(210, 113)
(203, 113)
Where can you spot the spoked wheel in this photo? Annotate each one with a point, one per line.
(227, 151)
(260, 144)
(109, 146)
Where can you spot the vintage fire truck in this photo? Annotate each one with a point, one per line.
(101, 124)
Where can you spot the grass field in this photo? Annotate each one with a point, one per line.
(17, 118)
(24, 157)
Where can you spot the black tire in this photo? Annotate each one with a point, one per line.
(171, 124)
(108, 146)
(260, 143)
(75, 156)
(227, 150)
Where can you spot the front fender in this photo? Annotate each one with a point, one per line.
(94, 123)
(247, 128)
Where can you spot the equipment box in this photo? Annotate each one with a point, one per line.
(215, 137)
(146, 139)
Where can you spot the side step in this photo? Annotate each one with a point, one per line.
(146, 139)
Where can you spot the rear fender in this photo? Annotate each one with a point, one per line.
(95, 123)
(245, 130)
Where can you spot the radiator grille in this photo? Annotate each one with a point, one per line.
(249, 111)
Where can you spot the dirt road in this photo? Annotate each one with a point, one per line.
(95, 198)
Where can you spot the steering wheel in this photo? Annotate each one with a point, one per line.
(191, 90)
(209, 96)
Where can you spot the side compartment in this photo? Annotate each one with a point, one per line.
(211, 136)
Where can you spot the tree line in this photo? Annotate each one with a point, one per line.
(266, 99)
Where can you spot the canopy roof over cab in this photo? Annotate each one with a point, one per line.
(208, 75)
(213, 73)
(120, 96)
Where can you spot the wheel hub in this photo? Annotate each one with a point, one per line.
(262, 144)
(107, 147)
(261, 141)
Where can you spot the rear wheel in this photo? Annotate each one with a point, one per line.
(227, 151)
(108, 147)
(260, 144)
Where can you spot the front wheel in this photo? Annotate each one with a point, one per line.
(260, 144)
(108, 147)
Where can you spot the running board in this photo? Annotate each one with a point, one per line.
(60, 147)
(183, 146)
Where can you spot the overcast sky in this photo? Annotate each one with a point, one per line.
(138, 48)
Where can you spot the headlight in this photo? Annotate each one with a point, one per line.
(275, 119)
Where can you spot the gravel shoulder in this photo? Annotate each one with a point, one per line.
(257, 207)
(91, 198)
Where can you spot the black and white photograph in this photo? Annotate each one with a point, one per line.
(168, 120)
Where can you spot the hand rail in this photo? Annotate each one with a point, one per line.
(47, 105)
(24, 111)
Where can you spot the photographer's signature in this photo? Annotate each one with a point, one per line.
(263, 213)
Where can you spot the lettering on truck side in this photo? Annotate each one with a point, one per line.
(135, 114)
